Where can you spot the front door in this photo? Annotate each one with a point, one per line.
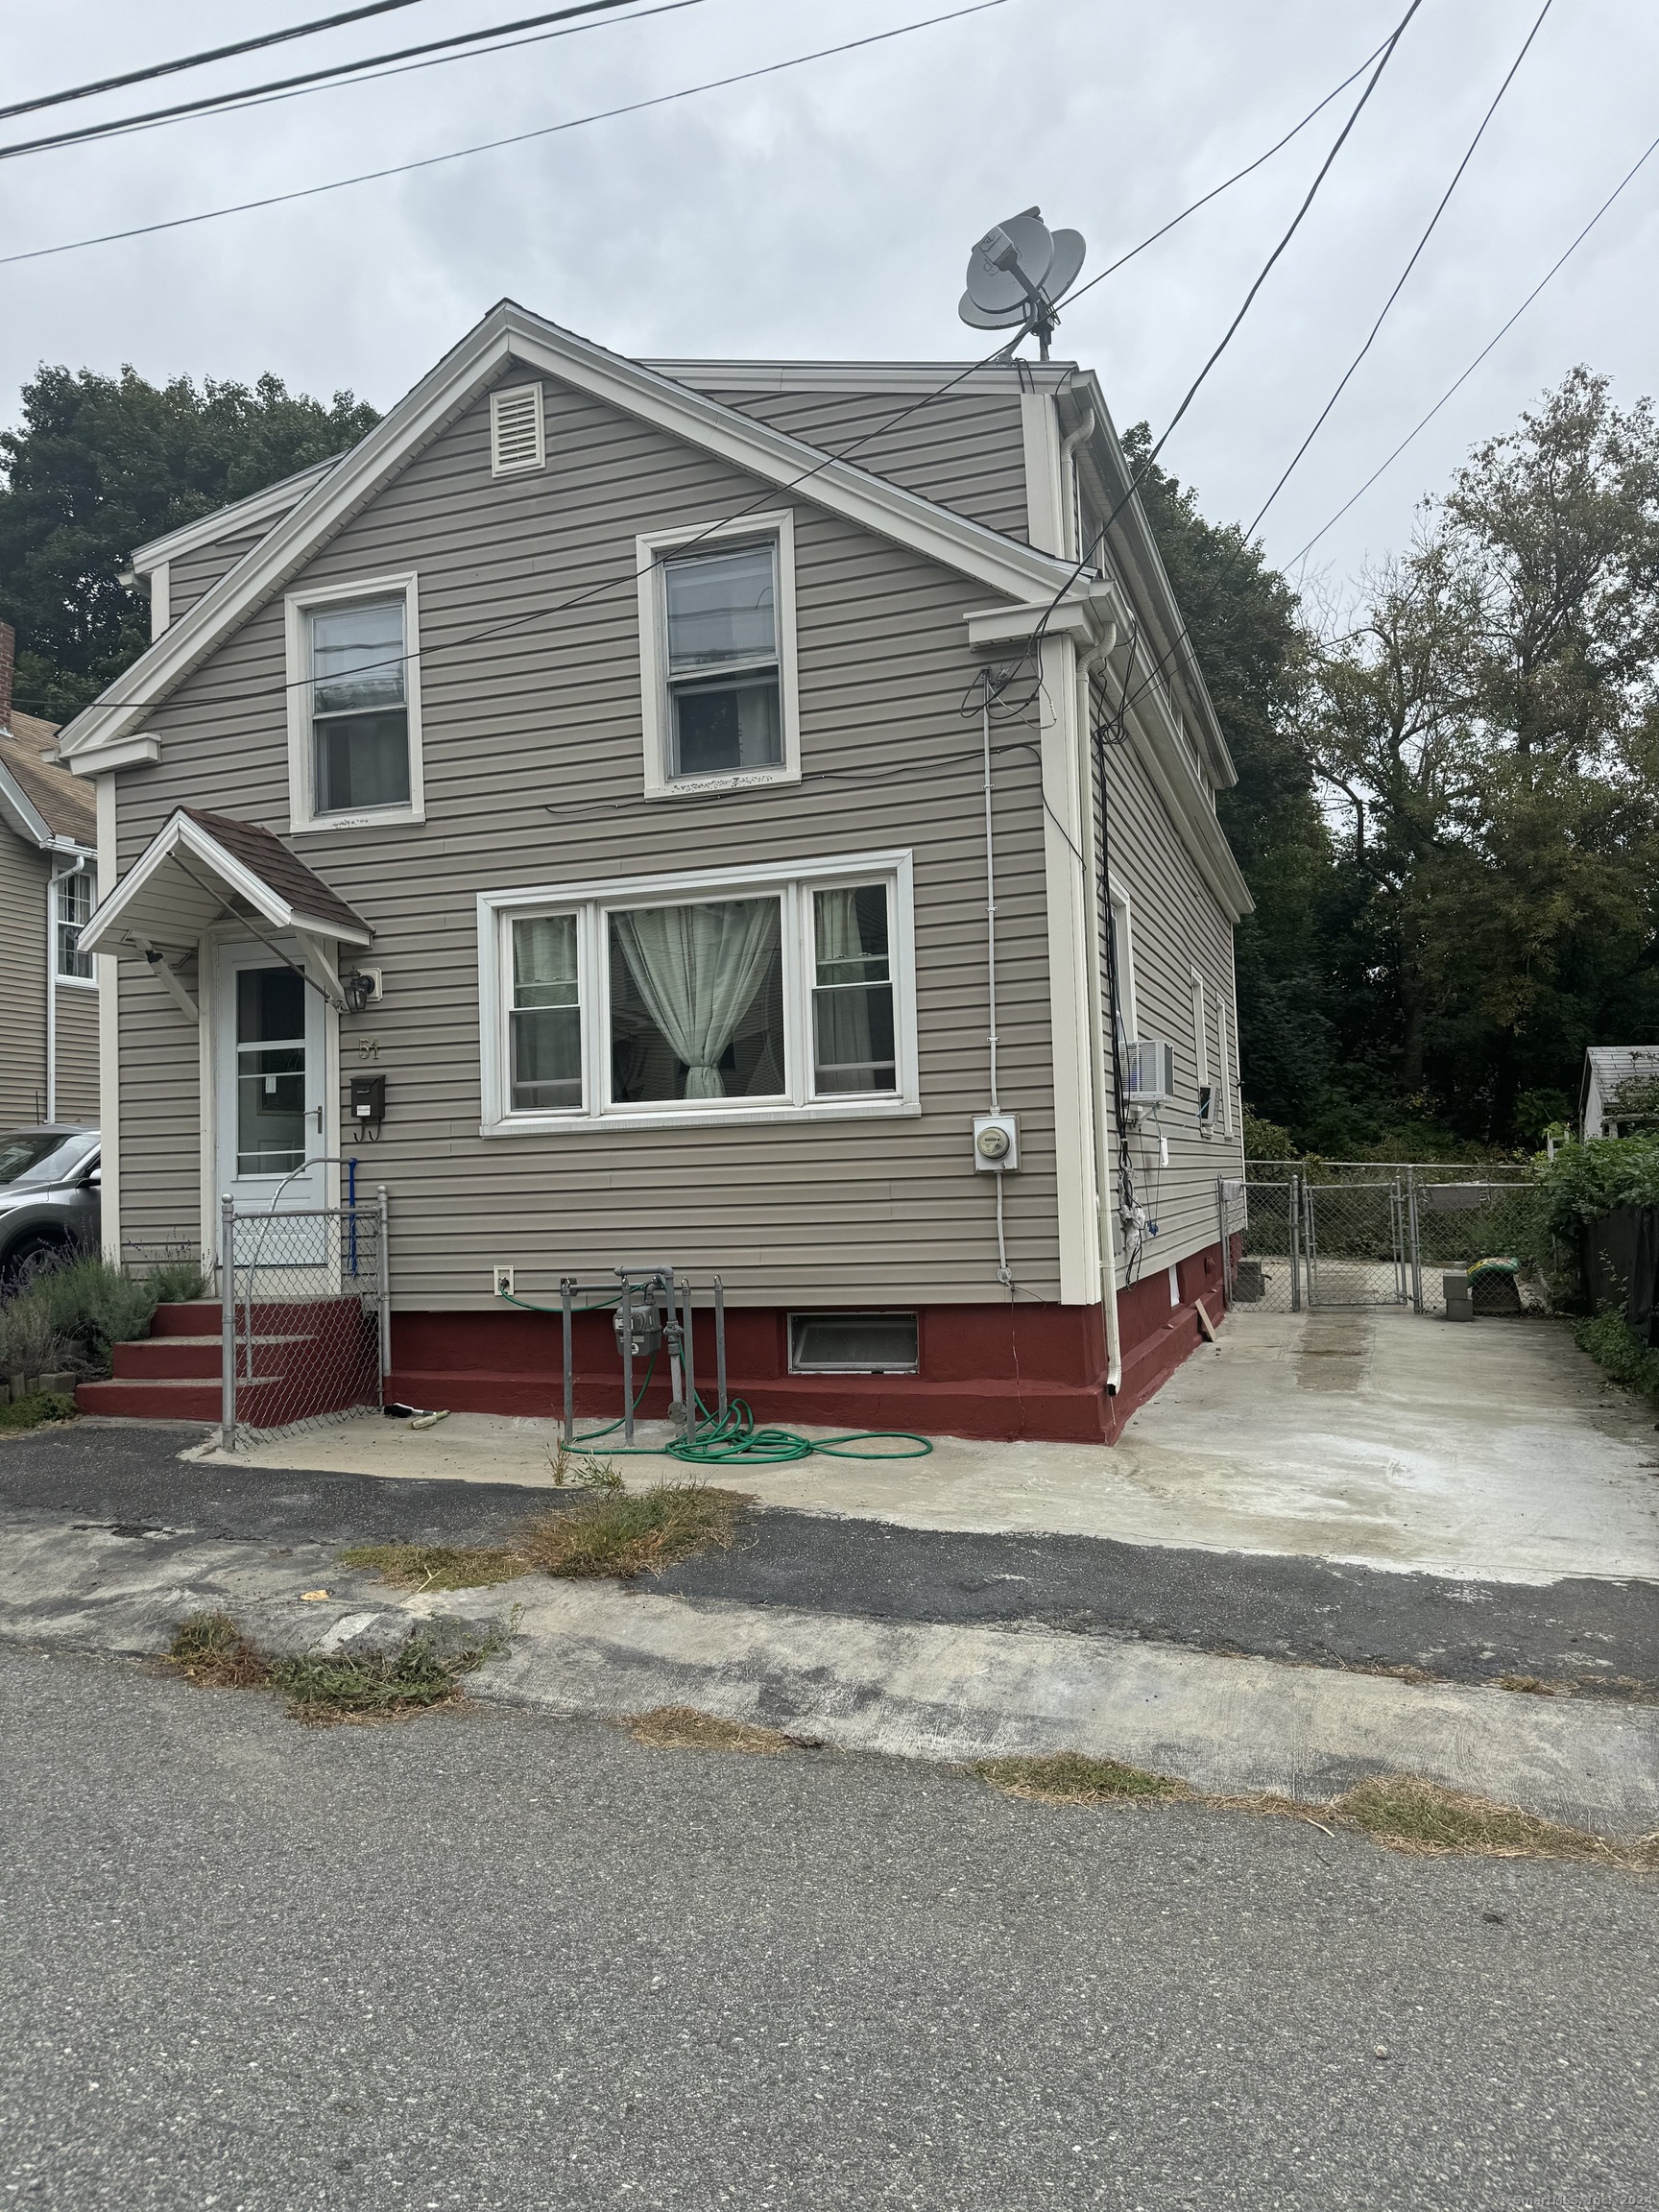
(270, 1089)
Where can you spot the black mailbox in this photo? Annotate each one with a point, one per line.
(367, 1100)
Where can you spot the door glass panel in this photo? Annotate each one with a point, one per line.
(270, 1071)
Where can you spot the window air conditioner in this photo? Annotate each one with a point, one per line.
(1149, 1072)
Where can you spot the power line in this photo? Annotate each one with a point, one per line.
(1251, 527)
(318, 79)
(1500, 333)
(493, 145)
(887, 423)
(199, 60)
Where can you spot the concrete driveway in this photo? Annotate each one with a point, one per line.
(1494, 1451)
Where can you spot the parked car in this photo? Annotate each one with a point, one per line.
(49, 1195)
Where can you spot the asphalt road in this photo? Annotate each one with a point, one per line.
(496, 1961)
(1600, 1634)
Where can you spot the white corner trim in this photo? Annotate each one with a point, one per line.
(161, 598)
(1070, 901)
(108, 1034)
(654, 654)
(303, 818)
(794, 880)
(508, 333)
(1092, 615)
(1044, 495)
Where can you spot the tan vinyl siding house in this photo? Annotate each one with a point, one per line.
(535, 684)
(48, 1008)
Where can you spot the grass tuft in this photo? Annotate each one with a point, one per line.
(1068, 1778)
(210, 1649)
(683, 1728)
(1407, 1813)
(438, 1566)
(39, 1406)
(630, 1532)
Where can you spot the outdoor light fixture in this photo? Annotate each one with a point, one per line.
(360, 990)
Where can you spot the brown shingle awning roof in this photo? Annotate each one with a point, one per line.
(204, 868)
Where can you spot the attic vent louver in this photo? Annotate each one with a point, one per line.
(516, 430)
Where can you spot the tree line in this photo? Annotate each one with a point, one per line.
(1448, 796)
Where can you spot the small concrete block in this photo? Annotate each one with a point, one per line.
(1459, 1305)
(59, 1385)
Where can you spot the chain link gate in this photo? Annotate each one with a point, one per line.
(305, 1313)
(1378, 1236)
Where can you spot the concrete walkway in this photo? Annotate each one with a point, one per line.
(1376, 1438)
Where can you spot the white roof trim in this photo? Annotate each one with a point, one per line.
(21, 811)
(1008, 378)
(230, 521)
(111, 915)
(510, 333)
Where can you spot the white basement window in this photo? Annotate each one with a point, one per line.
(354, 704)
(853, 1344)
(515, 431)
(725, 995)
(717, 656)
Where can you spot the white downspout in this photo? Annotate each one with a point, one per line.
(1071, 520)
(54, 877)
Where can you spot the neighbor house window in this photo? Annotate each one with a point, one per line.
(736, 993)
(717, 654)
(75, 895)
(355, 725)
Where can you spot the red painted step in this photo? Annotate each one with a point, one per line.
(310, 1356)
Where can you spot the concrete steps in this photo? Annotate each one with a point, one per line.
(310, 1356)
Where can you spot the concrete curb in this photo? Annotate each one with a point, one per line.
(913, 1689)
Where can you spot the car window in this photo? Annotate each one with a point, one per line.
(38, 1155)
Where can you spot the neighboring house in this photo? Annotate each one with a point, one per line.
(48, 879)
(632, 746)
(1620, 1093)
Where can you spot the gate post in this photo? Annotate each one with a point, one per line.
(1295, 1242)
(383, 1289)
(1226, 1242)
(228, 1323)
(1411, 1231)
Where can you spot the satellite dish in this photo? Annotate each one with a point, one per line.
(1018, 274)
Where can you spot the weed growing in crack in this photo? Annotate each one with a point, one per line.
(630, 1532)
(1068, 1778)
(325, 1688)
(438, 1566)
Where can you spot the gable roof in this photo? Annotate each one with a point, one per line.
(163, 895)
(42, 801)
(510, 334)
(230, 521)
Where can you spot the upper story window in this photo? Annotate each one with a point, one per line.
(717, 656)
(728, 993)
(75, 896)
(354, 717)
(725, 710)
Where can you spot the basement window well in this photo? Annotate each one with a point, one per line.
(853, 1344)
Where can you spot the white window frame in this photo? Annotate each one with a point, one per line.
(1201, 1053)
(653, 653)
(516, 467)
(794, 881)
(302, 814)
(65, 977)
(1223, 1043)
(1118, 905)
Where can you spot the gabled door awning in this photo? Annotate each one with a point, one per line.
(205, 868)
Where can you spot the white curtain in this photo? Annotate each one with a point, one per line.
(698, 967)
(843, 1016)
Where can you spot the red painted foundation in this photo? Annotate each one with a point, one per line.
(999, 1371)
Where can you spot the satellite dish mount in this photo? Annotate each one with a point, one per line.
(1018, 274)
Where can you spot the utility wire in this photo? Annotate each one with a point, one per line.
(319, 80)
(518, 138)
(1554, 269)
(199, 60)
(840, 453)
(1252, 526)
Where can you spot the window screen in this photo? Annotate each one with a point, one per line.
(723, 704)
(853, 1344)
(359, 715)
(546, 1018)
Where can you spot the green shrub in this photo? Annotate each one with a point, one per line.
(38, 1406)
(78, 1310)
(1267, 1140)
(179, 1282)
(1613, 1344)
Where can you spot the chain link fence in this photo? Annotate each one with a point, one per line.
(306, 1320)
(1359, 1233)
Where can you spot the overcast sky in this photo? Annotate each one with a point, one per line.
(826, 211)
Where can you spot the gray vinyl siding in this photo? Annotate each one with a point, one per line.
(192, 574)
(1175, 926)
(533, 776)
(78, 1053)
(23, 872)
(965, 450)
